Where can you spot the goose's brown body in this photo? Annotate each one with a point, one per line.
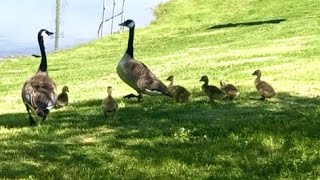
(39, 91)
(138, 76)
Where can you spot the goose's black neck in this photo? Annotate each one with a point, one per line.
(130, 42)
(43, 64)
(171, 83)
(205, 84)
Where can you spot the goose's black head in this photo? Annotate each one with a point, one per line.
(43, 33)
(65, 89)
(222, 83)
(170, 78)
(204, 79)
(128, 23)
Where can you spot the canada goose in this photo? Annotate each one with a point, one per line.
(213, 92)
(39, 91)
(179, 93)
(136, 74)
(230, 90)
(63, 98)
(109, 105)
(265, 89)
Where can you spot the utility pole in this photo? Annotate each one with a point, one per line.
(122, 15)
(103, 16)
(114, 6)
(57, 33)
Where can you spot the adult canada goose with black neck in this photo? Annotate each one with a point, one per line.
(265, 90)
(39, 91)
(179, 93)
(213, 92)
(136, 74)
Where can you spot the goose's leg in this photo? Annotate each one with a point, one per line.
(262, 98)
(43, 119)
(31, 120)
(130, 96)
(211, 100)
(139, 96)
(46, 111)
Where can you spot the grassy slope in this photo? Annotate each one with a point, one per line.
(160, 139)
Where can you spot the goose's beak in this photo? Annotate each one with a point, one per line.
(36, 55)
(49, 33)
(122, 24)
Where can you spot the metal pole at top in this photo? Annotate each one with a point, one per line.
(122, 11)
(57, 33)
(114, 6)
(103, 16)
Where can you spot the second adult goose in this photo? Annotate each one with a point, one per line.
(179, 93)
(136, 74)
(39, 91)
(264, 89)
(213, 92)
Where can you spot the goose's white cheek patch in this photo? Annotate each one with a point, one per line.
(131, 25)
(44, 34)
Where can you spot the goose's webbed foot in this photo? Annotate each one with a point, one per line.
(129, 96)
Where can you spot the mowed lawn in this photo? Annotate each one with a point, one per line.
(159, 139)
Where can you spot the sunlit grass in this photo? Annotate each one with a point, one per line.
(158, 139)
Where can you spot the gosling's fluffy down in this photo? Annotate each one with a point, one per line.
(109, 105)
(179, 93)
(63, 99)
(213, 92)
(264, 89)
(230, 90)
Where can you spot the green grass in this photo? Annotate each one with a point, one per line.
(158, 139)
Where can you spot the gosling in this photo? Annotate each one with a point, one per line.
(265, 90)
(230, 90)
(109, 105)
(63, 99)
(213, 92)
(179, 93)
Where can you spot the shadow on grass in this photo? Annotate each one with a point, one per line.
(251, 138)
(252, 23)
